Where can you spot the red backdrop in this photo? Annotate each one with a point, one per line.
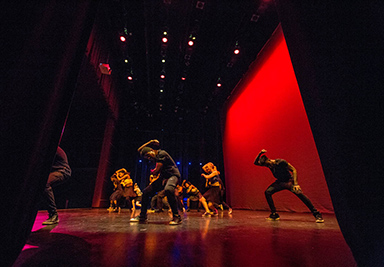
(266, 111)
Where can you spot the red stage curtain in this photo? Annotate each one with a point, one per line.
(266, 111)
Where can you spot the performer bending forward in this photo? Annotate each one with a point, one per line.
(286, 178)
(168, 180)
(212, 182)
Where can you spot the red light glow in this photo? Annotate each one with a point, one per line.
(236, 51)
(164, 39)
(190, 43)
(122, 38)
(162, 76)
(129, 78)
(266, 111)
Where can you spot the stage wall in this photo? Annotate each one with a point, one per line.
(266, 111)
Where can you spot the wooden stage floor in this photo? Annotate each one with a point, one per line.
(95, 237)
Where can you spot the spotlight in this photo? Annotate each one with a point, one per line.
(190, 43)
(236, 51)
(130, 78)
(255, 17)
(200, 5)
(165, 39)
(183, 78)
(163, 61)
(218, 84)
(122, 38)
(162, 76)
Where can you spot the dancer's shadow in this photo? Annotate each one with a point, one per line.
(54, 249)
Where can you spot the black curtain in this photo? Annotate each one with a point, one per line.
(337, 54)
(42, 47)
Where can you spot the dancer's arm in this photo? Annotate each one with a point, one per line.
(256, 162)
(154, 141)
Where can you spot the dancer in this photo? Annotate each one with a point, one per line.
(223, 205)
(212, 195)
(139, 194)
(117, 195)
(60, 172)
(168, 180)
(286, 179)
(179, 198)
(124, 191)
(194, 192)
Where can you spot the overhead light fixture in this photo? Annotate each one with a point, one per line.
(218, 84)
(200, 5)
(236, 51)
(255, 17)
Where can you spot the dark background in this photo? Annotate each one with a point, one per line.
(50, 81)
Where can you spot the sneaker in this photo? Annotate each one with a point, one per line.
(273, 217)
(138, 219)
(207, 213)
(53, 219)
(176, 220)
(319, 217)
(230, 211)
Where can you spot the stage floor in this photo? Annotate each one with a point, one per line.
(95, 237)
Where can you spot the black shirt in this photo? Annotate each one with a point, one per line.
(60, 163)
(280, 170)
(169, 166)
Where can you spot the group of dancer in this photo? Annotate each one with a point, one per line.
(164, 180)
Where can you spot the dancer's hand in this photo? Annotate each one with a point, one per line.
(296, 189)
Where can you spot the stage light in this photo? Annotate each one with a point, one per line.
(236, 51)
(163, 60)
(164, 39)
(130, 78)
(218, 84)
(122, 38)
(190, 43)
(255, 17)
(161, 91)
(126, 61)
(183, 78)
(162, 76)
(200, 5)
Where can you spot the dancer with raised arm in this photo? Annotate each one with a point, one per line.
(168, 179)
